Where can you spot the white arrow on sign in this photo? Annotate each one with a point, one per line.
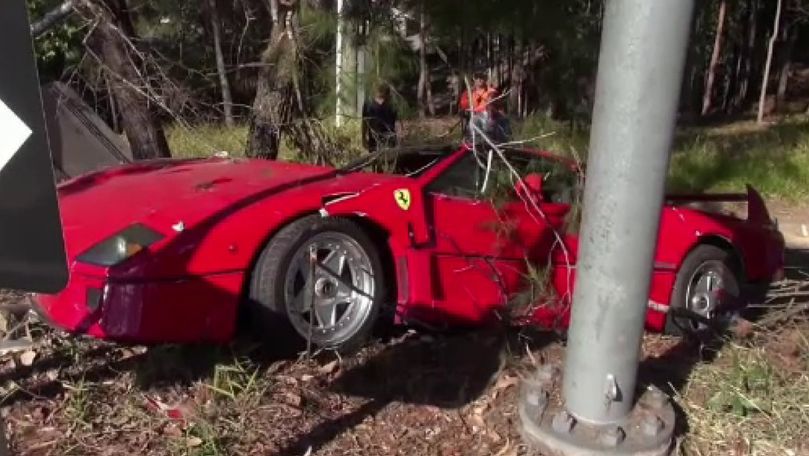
(13, 134)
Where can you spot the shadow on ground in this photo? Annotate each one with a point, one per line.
(447, 371)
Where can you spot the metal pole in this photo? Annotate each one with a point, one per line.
(637, 91)
(640, 70)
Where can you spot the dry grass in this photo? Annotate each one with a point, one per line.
(753, 399)
(414, 394)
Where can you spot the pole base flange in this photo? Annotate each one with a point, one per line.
(548, 427)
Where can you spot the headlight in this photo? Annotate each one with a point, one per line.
(123, 245)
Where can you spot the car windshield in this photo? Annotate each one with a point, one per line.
(411, 161)
(484, 175)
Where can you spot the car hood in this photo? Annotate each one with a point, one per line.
(169, 195)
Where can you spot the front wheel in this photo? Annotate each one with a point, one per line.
(319, 279)
(706, 285)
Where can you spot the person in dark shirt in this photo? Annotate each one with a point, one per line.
(379, 121)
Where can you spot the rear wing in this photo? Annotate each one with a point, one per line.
(756, 208)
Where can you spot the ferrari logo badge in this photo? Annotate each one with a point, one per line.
(402, 197)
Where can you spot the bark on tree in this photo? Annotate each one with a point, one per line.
(766, 76)
(752, 28)
(272, 107)
(224, 84)
(280, 107)
(52, 18)
(518, 77)
(707, 97)
(425, 92)
(791, 37)
(110, 41)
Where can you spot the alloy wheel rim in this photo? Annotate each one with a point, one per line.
(339, 297)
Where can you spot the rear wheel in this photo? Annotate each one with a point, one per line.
(706, 285)
(335, 302)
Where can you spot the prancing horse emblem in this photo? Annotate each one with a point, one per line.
(402, 197)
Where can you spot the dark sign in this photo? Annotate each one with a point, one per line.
(32, 252)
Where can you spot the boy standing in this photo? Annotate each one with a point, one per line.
(379, 121)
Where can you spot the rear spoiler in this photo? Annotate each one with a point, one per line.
(756, 208)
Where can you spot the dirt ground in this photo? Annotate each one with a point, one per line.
(409, 393)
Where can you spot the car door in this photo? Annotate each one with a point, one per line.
(485, 238)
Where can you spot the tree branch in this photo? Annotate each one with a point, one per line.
(52, 18)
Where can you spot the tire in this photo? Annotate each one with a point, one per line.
(690, 292)
(348, 290)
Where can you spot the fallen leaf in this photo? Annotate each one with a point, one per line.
(743, 328)
(506, 381)
(293, 399)
(173, 430)
(328, 368)
(27, 358)
(192, 442)
(477, 422)
(52, 374)
(507, 450)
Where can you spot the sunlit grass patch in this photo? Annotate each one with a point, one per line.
(774, 160)
(754, 399)
(205, 140)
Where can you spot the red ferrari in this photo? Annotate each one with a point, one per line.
(173, 251)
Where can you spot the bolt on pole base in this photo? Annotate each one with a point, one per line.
(548, 427)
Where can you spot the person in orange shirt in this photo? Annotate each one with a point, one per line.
(474, 101)
(483, 104)
(481, 95)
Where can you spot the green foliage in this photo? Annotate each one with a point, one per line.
(751, 399)
(205, 140)
(60, 48)
(774, 160)
(560, 138)
(389, 58)
(751, 385)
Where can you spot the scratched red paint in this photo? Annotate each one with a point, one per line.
(452, 267)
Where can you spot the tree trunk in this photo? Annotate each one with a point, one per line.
(707, 96)
(425, 93)
(52, 18)
(517, 80)
(227, 98)
(766, 76)
(110, 41)
(338, 66)
(272, 107)
(752, 28)
(281, 103)
(786, 65)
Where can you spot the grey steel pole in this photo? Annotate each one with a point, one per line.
(637, 92)
(640, 71)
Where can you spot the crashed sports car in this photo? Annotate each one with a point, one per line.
(173, 251)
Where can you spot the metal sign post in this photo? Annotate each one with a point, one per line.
(639, 76)
(32, 251)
